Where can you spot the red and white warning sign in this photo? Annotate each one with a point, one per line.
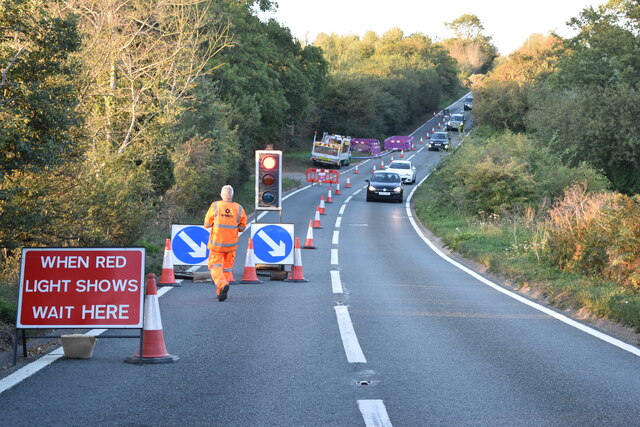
(81, 287)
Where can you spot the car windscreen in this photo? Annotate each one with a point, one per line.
(457, 117)
(385, 177)
(399, 166)
(468, 100)
(439, 135)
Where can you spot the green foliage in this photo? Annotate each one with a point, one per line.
(505, 173)
(268, 77)
(381, 85)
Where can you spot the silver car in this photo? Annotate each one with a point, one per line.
(456, 122)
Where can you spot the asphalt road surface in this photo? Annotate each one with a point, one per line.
(385, 332)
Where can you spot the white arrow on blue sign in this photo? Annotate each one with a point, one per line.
(189, 244)
(272, 243)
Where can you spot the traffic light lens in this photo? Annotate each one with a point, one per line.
(269, 162)
(268, 197)
(268, 179)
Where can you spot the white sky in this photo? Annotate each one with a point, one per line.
(508, 22)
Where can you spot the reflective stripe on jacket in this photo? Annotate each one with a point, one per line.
(226, 220)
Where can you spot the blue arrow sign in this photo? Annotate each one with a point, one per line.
(189, 245)
(272, 243)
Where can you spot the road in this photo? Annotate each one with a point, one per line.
(386, 332)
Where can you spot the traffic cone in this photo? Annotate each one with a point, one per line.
(402, 154)
(391, 160)
(356, 170)
(167, 277)
(316, 221)
(329, 198)
(433, 130)
(309, 243)
(321, 207)
(337, 189)
(382, 164)
(232, 280)
(374, 168)
(296, 275)
(250, 274)
(348, 185)
(421, 140)
(154, 349)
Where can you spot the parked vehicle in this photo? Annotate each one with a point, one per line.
(384, 185)
(332, 150)
(439, 141)
(405, 169)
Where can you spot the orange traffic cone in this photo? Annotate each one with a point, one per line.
(374, 168)
(402, 154)
(356, 170)
(421, 140)
(391, 160)
(153, 348)
(316, 221)
(433, 130)
(348, 185)
(250, 274)
(329, 198)
(309, 243)
(321, 207)
(232, 280)
(296, 271)
(337, 189)
(167, 277)
(382, 164)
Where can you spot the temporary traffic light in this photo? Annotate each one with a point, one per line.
(268, 180)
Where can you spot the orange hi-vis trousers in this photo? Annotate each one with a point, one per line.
(221, 265)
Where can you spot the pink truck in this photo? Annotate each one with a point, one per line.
(398, 143)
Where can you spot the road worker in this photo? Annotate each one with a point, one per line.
(225, 219)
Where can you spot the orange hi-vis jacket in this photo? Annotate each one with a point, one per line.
(226, 220)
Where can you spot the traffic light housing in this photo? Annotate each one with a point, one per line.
(268, 180)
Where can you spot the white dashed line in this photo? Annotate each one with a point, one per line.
(348, 334)
(336, 283)
(374, 413)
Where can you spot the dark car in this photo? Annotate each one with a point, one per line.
(385, 185)
(439, 141)
(468, 103)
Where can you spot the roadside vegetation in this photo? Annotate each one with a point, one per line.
(545, 191)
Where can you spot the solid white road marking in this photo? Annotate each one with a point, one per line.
(37, 365)
(613, 341)
(334, 257)
(336, 237)
(374, 413)
(348, 334)
(336, 283)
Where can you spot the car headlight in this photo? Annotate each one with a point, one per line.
(397, 189)
(372, 188)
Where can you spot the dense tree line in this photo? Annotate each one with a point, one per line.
(381, 85)
(578, 97)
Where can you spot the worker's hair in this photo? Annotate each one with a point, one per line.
(228, 191)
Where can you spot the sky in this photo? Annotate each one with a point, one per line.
(508, 22)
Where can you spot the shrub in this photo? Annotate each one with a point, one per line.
(595, 234)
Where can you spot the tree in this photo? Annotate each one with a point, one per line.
(474, 51)
(37, 112)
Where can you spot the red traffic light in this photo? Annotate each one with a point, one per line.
(269, 162)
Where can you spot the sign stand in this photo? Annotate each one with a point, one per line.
(25, 337)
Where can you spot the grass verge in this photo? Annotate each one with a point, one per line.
(503, 247)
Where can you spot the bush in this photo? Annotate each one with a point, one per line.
(595, 234)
